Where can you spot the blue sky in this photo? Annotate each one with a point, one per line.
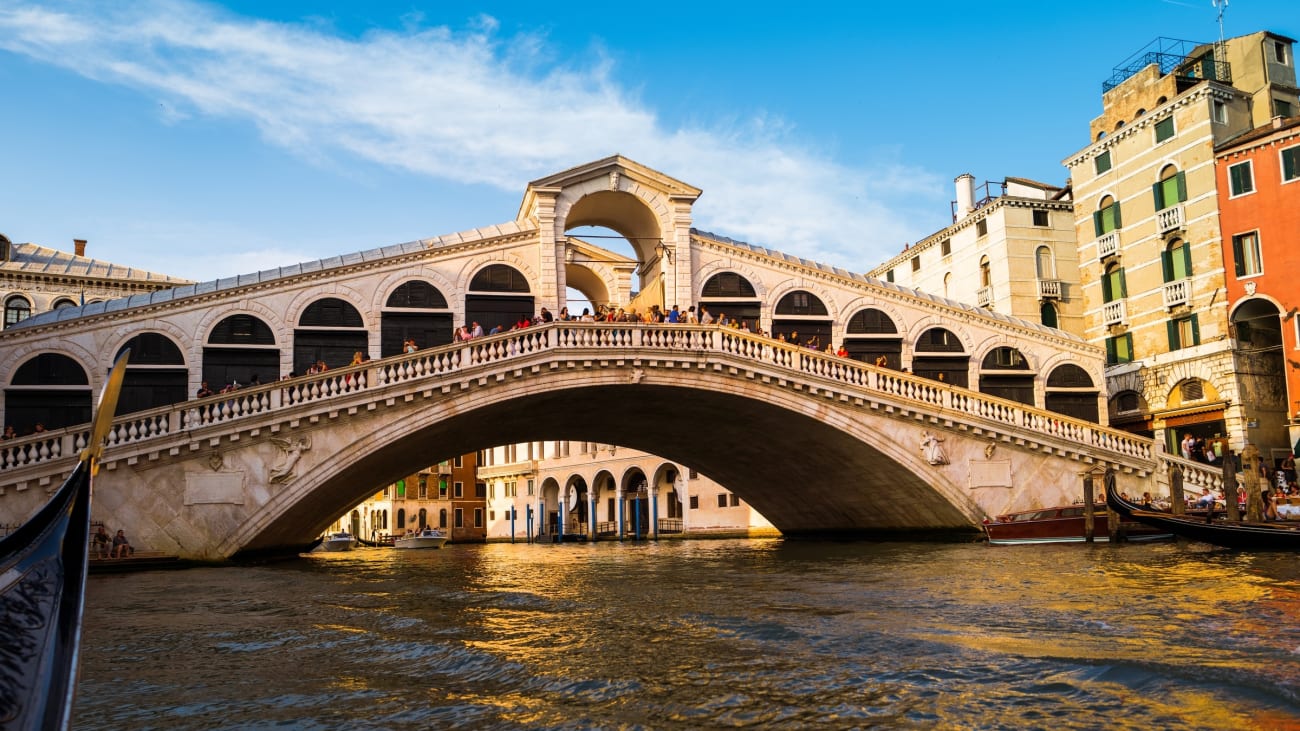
(206, 139)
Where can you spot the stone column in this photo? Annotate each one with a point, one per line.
(551, 288)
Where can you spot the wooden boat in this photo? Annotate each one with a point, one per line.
(1062, 524)
(427, 538)
(341, 541)
(43, 569)
(382, 541)
(1272, 536)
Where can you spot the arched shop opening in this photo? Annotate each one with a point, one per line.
(155, 374)
(241, 349)
(871, 335)
(801, 318)
(417, 311)
(499, 295)
(731, 294)
(940, 355)
(1006, 374)
(329, 330)
(1070, 391)
(50, 389)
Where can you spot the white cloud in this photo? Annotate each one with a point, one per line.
(474, 107)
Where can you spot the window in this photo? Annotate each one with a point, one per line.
(982, 227)
(460, 517)
(17, 309)
(695, 502)
(442, 488)
(1172, 188)
(1219, 111)
(1290, 164)
(1183, 333)
(1040, 217)
(1246, 254)
(401, 488)
(1102, 162)
(1279, 51)
(1112, 284)
(735, 501)
(1047, 314)
(1044, 263)
(1281, 108)
(1176, 260)
(722, 499)
(424, 487)
(889, 275)
(1119, 349)
(986, 273)
(945, 247)
(1164, 129)
(916, 263)
(1192, 390)
(480, 489)
(458, 462)
(478, 517)
(530, 487)
(1241, 179)
(1106, 218)
(458, 489)
(691, 474)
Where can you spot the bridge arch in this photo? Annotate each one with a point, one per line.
(637, 213)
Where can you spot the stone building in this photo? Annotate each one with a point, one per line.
(1259, 200)
(1147, 222)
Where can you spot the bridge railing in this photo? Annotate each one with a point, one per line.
(230, 408)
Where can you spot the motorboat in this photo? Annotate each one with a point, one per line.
(1282, 535)
(1063, 524)
(341, 541)
(427, 538)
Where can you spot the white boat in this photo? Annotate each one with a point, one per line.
(427, 538)
(337, 542)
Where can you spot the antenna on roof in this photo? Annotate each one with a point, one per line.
(1220, 5)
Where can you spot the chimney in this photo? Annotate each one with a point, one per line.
(965, 194)
(79, 247)
(1277, 122)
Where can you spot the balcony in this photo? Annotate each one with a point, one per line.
(1168, 219)
(984, 296)
(444, 468)
(1049, 289)
(1113, 313)
(1108, 245)
(1178, 292)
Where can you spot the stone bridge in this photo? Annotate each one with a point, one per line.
(822, 445)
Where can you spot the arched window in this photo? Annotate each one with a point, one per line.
(1005, 359)
(986, 273)
(499, 278)
(1106, 218)
(417, 294)
(1070, 391)
(330, 312)
(1045, 262)
(155, 374)
(17, 309)
(801, 303)
(49, 388)
(1176, 260)
(1171, 189)
(416, 311)
(330, 330)
(940, 355)
(731, 294)
(727, 284)
(240, 349)
(1005, 373)
(63, 302)
(947, 284)
(1112, 284)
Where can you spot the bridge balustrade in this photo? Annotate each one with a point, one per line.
(228, 409)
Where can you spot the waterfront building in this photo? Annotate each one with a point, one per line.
(1147, 221)
(1011, 249)
(446, 495)
(1258, 176)
(636, 494)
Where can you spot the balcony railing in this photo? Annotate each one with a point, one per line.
(1108, 245)
(1113, 313)
(984, 296)
(1049, 289)
(1168, 219)
(1178, 292)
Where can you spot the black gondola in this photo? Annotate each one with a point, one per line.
(1240, 534)
(42, 592)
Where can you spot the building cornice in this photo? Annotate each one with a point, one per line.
(1207, 90)
(969, 220)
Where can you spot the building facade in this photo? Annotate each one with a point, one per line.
(1146, 199)
(1259, 200)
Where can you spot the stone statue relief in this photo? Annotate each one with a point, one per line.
(290, 452)
(932, 449)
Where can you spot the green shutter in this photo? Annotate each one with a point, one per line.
(1181, 182)
(1167, 265)
(1171, 327)
(1158, 191)
(1123, 287)
(1196, 331)
(1187, 259)
(1128, 347)
(1118, 223)
(1096, 223)
(1111, 355)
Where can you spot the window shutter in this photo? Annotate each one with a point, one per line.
(1290, 166)
(1181, 179)
(1118, 224)
(1196, 331)
(1096, 223)
(1110, 350)
(1187, 259)
(1171, 327)
(1123, 287)
(1158, 191)
(1167, 264)
(1237, 258)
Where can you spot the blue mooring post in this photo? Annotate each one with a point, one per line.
(541, 519)
(559, 523)
(654, 513)
(636, 517)
(622, 519)
(591, 517)
(512, 524)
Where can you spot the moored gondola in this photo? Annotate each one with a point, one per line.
(1272, 536)
(42, 591)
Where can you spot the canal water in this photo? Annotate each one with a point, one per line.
(764, 634)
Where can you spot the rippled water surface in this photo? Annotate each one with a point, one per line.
(703, 634)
